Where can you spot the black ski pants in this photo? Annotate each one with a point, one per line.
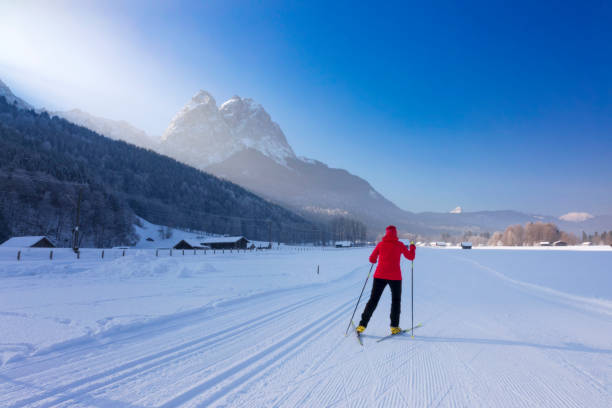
(396, 300)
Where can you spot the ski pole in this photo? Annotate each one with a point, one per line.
(359, 300)
(412, 294)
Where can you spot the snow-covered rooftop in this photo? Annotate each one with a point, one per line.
(195, 243)
(221, 240)
(23, 242)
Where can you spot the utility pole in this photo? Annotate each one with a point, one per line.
(270, 233)
(75, 235)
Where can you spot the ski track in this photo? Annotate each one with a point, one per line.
(287, 348)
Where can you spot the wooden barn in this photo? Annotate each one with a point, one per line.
(190, 244)
(226, 242)
(29, 242)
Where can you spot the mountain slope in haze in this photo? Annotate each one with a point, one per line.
(6, 92)
(45, 161)
(240, 142)
(114, 129)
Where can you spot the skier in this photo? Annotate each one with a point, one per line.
(388, 272)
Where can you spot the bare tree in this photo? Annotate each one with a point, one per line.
(514, 235)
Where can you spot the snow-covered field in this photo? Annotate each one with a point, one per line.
(513, 328)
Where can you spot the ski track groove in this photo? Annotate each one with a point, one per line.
(277, 363)
(435, 371)
(238, 368)
(289, 356)
(100, 342)
(161, 357)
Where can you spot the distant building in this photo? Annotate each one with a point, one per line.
(559, 243)
(545, 243)
(466, 245)
(440, 244)
(343, 244)
(29, 242)
(190, 244)
(587, 243)
(226, 242)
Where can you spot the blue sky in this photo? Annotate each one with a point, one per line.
(486, 105)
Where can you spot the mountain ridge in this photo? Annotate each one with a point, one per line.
(240, 142)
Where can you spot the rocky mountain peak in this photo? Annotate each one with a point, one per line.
(203, 98)
(217, 133)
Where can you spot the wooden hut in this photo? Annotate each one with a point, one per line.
(29, 242)
(226, 242)
(190, 244)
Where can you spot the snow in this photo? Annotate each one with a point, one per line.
(201, 134)
(457, 210)
(502, 327)
(22, 242)
(149, 230)
(221, 240)
(576, 216)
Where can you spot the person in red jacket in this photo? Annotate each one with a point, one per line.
(388, 272)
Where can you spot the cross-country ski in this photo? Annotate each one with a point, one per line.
(408, 331)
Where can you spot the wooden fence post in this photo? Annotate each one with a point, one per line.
(183, 252)
(123, 252)
(78, 254)
(51, 255)
(156, 252)
(18, 255)
(102, 254)
(170, 251)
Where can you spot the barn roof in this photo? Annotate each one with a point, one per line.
(222, 240)
(193, 243)
(23, 242)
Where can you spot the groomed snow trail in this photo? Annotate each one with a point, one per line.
(489, 339)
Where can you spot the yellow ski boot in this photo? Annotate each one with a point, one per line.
(360, 329)
(395, 330)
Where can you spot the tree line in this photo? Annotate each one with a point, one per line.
(534, 233)
(346, 229)
(605, 238)
(46, 161)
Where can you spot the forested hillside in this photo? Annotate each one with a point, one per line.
(46, 161)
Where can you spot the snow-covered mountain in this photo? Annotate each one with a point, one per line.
(253, 128)
(240, 142)
(11, 98)
(113, 129)
(201, 134)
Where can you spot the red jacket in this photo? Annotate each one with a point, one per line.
(390, 249)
